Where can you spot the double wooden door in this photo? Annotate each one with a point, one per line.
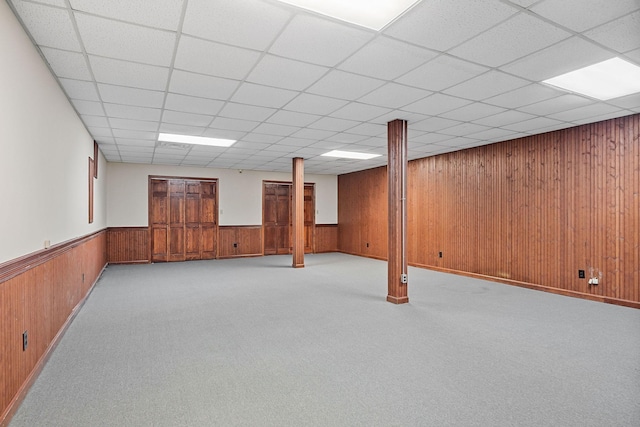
(183, 217)
(278, 218)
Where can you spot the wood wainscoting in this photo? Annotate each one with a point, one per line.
(128, 245)
(239, 241)
(530, 212)
(40, 294)
(326, 238)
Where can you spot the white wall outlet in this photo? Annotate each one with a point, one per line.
(47, 243)
(593, 281)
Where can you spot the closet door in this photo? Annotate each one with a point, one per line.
(192, 228)
(208, 219)
(269, 219)
(159, 220)
(176, 220)
(283, 219)
(309, 218)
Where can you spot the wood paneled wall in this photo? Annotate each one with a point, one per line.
(128, 245)
(362, 213)
(39, 294)
(239, 241)
(530, 212)
(326, 238)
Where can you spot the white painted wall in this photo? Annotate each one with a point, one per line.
(44, 151)
(240, 194)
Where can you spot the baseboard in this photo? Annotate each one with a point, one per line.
(15, 403)
(558, 291)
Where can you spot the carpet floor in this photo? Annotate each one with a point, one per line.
(255, 342)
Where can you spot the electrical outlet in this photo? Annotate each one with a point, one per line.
(82, 277)
(404, 278)
(25, 340)
(581, 274)
(440, 254)
(235, 245)
(367, 244)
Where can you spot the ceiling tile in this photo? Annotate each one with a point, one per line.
(623, 34)
(90, 108)
(347, 138)
(592, 12)
(131, 96)
(105, 37)
(291, 118)
(262, 138)
(49, 26)
(273, 129)
(182, 129)
(369, 129)
(134, 124)
(72, 65)
(386, 59)
(130, 74)
(285, 73)
(186, 83)
(215, 59)
(441, 73)
(436, 104)
(555, 105)
(393, 95)
(98, 132)
(188, 119)
(192, 104)
(629, 101)
(78, 89)
(504, 118)
(532, 125)
(513, 39)
(464, 129)
(443, 24)
(295, 142)
(598, 118)
(634, 55)
(319, 41)
(524, 96)
(134, 134)
(472, 112)
(585, 112)
(316, 134)
(262, 96)
(233, 124)
(331, 123)
(429, 138)
(524, 3)
(247, 23)
(314, 104)
(131, 112)
(493, 134)
(568, 55)
(487, 85)
(95, 121)
(339, 84)
(137, 144)
(434, 124)
(359, 111)
(248, 112)
(166, 13)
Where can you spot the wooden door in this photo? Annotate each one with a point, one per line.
(159, 220)
(176, 220)
(277, 218)
(183, 219)
(208, 219)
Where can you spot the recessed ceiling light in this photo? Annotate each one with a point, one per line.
(196, 140)
(374, 14)
(350, 155)
(605, 80)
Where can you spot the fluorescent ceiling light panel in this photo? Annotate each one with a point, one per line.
(196, 140)
(350, 155)
(374, 14)
(605, 80)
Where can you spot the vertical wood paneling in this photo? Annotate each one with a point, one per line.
(531, 211)
(38, 294)
(128, 245)
(326, 238)
(239, 241)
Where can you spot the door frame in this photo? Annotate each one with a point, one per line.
(150, 178)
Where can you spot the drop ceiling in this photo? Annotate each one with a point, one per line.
(289, 83)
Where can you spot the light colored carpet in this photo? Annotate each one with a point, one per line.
(255, 342)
